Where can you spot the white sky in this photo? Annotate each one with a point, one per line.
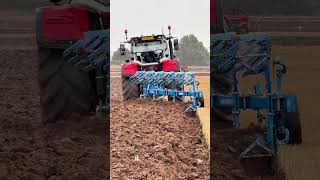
(146, 17)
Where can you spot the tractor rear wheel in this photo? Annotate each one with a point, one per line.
(63, 89)
(129, 89)
(292, 123)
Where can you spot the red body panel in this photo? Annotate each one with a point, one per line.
(64, 22)
(61, 26)
(213, 16)
(106, 20)
(129, 69)
(170, 65)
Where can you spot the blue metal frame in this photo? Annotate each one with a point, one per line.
(251, 55)
(90, 52)
(159, 84)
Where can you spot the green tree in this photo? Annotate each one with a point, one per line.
(117, 58)
(192, 52)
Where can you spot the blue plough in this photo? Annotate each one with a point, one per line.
(250, 55)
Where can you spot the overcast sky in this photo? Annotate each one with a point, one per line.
(146, 17)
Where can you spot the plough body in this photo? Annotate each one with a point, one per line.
(250, 55)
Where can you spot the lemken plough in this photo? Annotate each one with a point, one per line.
(170, 84)
(250, 55)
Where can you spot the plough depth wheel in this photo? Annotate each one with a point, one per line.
(292, 122)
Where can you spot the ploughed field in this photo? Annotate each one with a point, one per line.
(154, 140)
(74, 148)
(149, 139)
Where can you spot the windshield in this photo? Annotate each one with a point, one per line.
(149, 46)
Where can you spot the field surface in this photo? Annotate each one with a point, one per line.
(74, 148)
(303, 161)
(155, 140)
(202, 75)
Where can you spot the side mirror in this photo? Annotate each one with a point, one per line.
(122, 49)
(176, 44)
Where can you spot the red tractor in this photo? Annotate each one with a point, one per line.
(148, 53)
(63, 89)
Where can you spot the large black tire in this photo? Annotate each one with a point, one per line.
(63, 89)
(129, 89)
(292, 123)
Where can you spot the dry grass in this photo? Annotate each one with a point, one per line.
(204, 113)
(303, 161)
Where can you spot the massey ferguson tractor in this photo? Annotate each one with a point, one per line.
(79, 31)
(233, 58)
(154, 71)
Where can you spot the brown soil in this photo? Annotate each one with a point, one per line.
(72, 149)
(154, 140)
(228, 144)
(225, 164)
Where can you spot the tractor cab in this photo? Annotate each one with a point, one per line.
(154, 52)
(150, 50)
